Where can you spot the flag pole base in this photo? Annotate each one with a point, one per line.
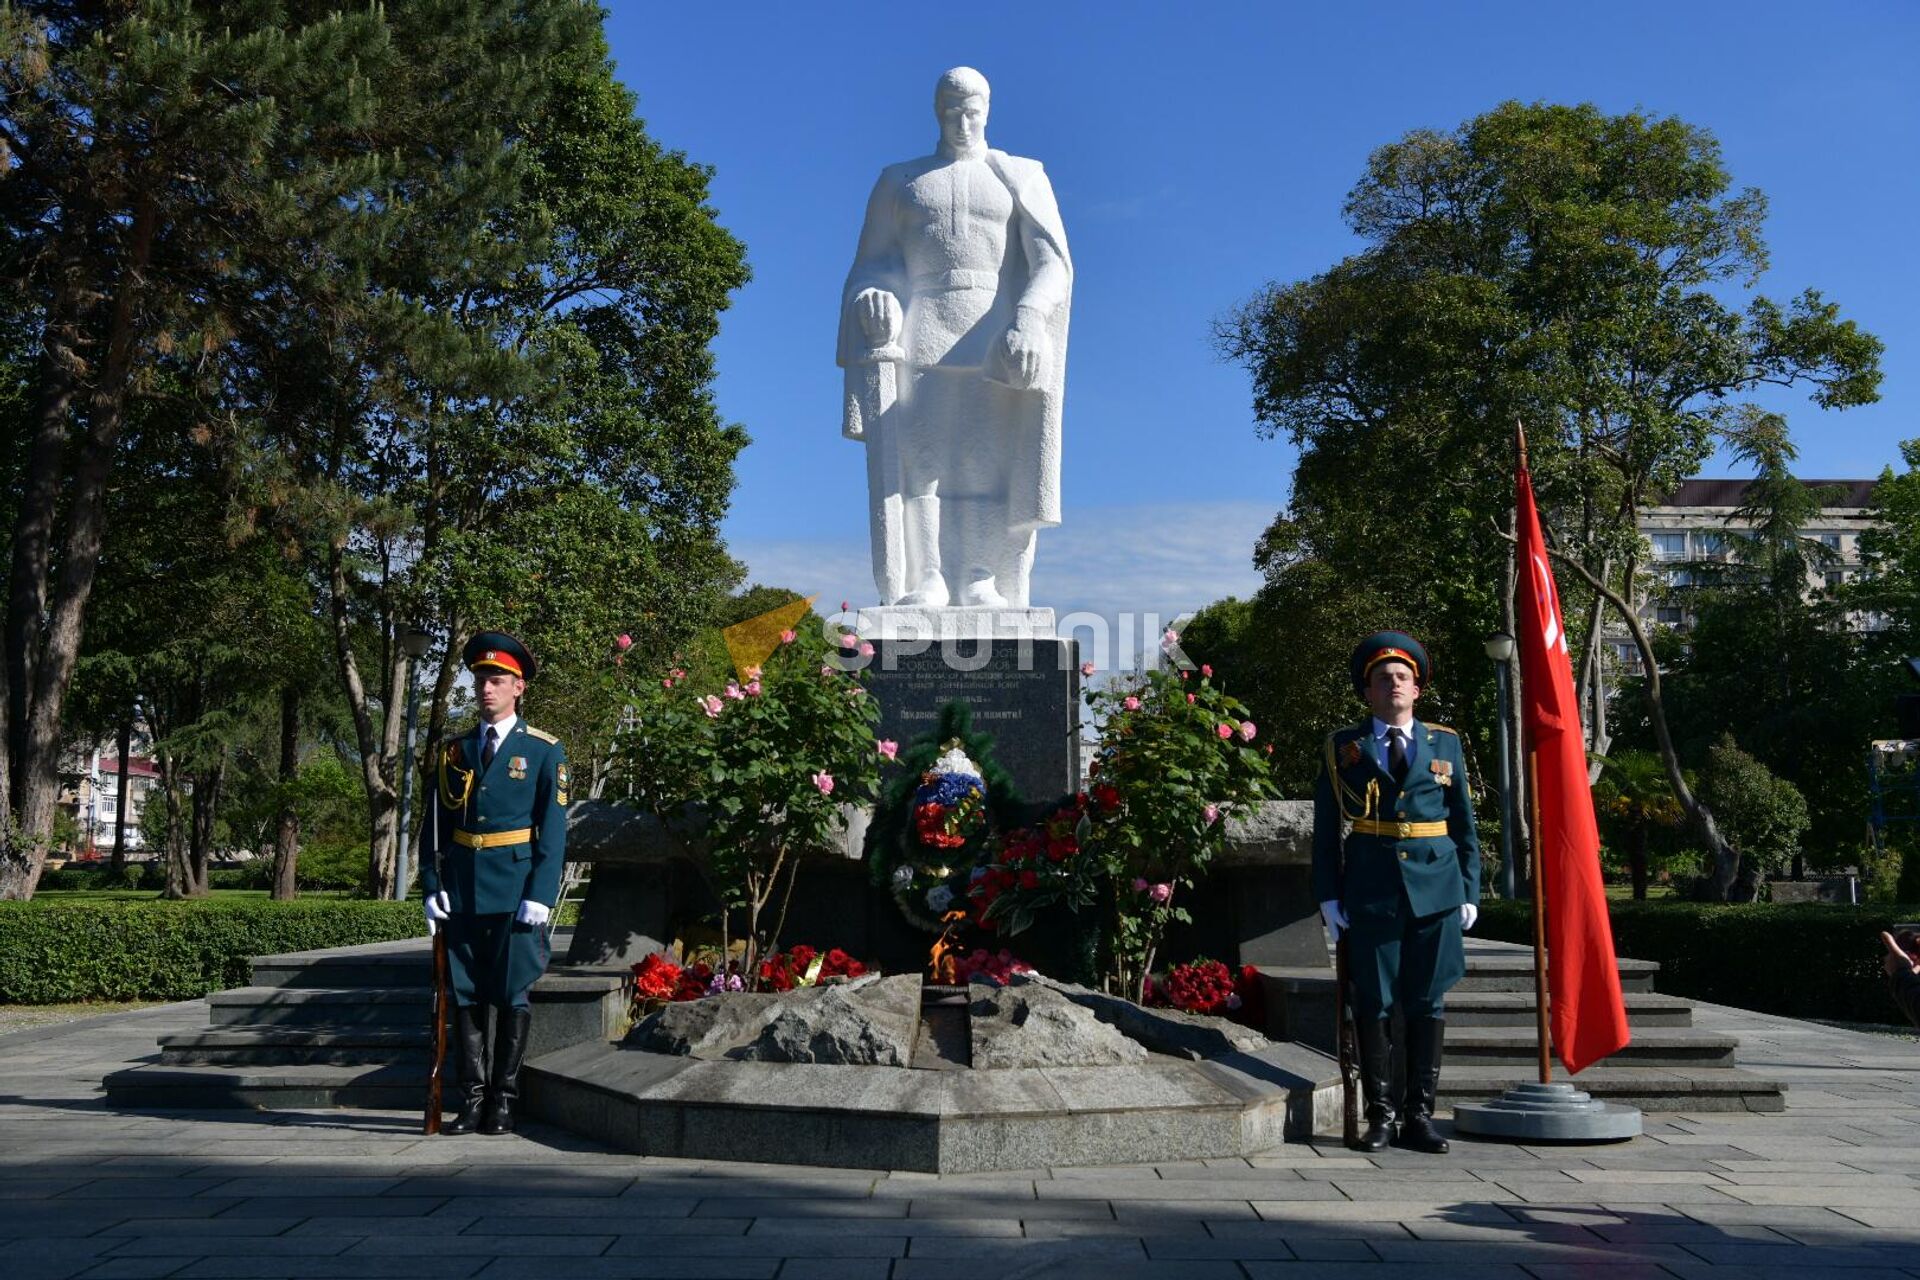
(1547, 1113)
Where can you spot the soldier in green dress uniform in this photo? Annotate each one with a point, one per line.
(492, 851)
(1396, 867)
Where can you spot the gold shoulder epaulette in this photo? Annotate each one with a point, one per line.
(544, 736)
(1445, 729)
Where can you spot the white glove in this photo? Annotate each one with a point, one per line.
(1336, 918)
(1468, 914)
(439, 910)
(531, 912)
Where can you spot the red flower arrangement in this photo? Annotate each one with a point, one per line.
(656, 978)
(802, 966)
(1208, 986)
(981, 962)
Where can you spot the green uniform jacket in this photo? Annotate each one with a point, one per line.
(1437, 872)
(525, 789)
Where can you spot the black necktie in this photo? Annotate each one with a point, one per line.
(1396, 756)
(486, 752)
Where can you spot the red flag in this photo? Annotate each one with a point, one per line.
(1589, 1018)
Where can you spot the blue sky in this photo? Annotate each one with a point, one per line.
(1198, 151)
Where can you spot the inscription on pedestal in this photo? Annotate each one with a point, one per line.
(1026, 693)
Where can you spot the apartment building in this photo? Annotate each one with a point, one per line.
(1688, 531)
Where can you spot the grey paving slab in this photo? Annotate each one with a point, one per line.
(134, 1269)
(836, 1269)
(523, 1268)
(338, 1268)
(1829, 1187)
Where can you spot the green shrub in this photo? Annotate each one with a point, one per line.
(54, 952)
(72, 878)
(1799, 960)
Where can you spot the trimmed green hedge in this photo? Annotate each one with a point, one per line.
(55, 952)
(1799, 960)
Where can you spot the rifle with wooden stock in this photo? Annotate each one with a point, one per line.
(442, 982)
(1348, 1048)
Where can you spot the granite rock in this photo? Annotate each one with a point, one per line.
(1032, 1025)
(1193, 1036)
(867, 1022)
(706, 1028)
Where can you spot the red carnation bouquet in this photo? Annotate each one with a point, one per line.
(1208, 986)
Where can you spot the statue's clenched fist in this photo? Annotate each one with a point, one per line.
(879, 313)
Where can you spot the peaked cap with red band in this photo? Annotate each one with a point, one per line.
(498, 651)
(1389, 646)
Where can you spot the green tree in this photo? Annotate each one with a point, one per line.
(1549, 264)
(1776, 657)
(1633, 802)
(1764, 816)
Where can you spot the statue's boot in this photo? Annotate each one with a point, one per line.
(923, 533)
(1376, 1082)
(470, 1041)
(509, 1051)
(1424, 1036)
(976, 537)
(981, 591)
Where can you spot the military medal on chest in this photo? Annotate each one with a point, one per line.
(1442, 772)
(517, 768)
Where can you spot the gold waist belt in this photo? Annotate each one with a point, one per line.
(494, 839)
(1398, 830)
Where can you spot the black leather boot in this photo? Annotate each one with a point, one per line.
(470, 1039)
(1376, 1074)
(1424, 1036)
(509, 1051)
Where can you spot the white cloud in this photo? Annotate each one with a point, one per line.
(1163, 559)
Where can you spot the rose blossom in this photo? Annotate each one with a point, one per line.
(1226, 731)
(1160, 892)
(1140, 885)
(848, 640)
(1132, 703)
(826, 668)
(713, 704)
(624, 641)
(1189, 699)
(888, 748)
(666, 684)
(787, 637)
(1211, 813)
(1246, 731)
(866, 649)
(1206, 670)
(753, 688)
(1086, 668)
(824, 781)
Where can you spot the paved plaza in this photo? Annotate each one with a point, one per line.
(1830, 1187)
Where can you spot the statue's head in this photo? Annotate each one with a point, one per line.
(960, 102)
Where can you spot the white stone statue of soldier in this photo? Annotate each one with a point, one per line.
(953, 336)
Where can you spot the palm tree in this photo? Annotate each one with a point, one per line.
(1634, 791)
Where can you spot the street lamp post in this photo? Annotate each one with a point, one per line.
(416, 642)
(1499, 647)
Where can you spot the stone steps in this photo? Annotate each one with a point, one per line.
(1649, 1047)
(1646, 1087)
(289, 1046)
(343, 1028)
(321, 1006)
(1668, 1065)
(1515, 1009)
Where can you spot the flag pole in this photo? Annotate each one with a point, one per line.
(1545, 1110)
(1539, 924)
(1543, 1041)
